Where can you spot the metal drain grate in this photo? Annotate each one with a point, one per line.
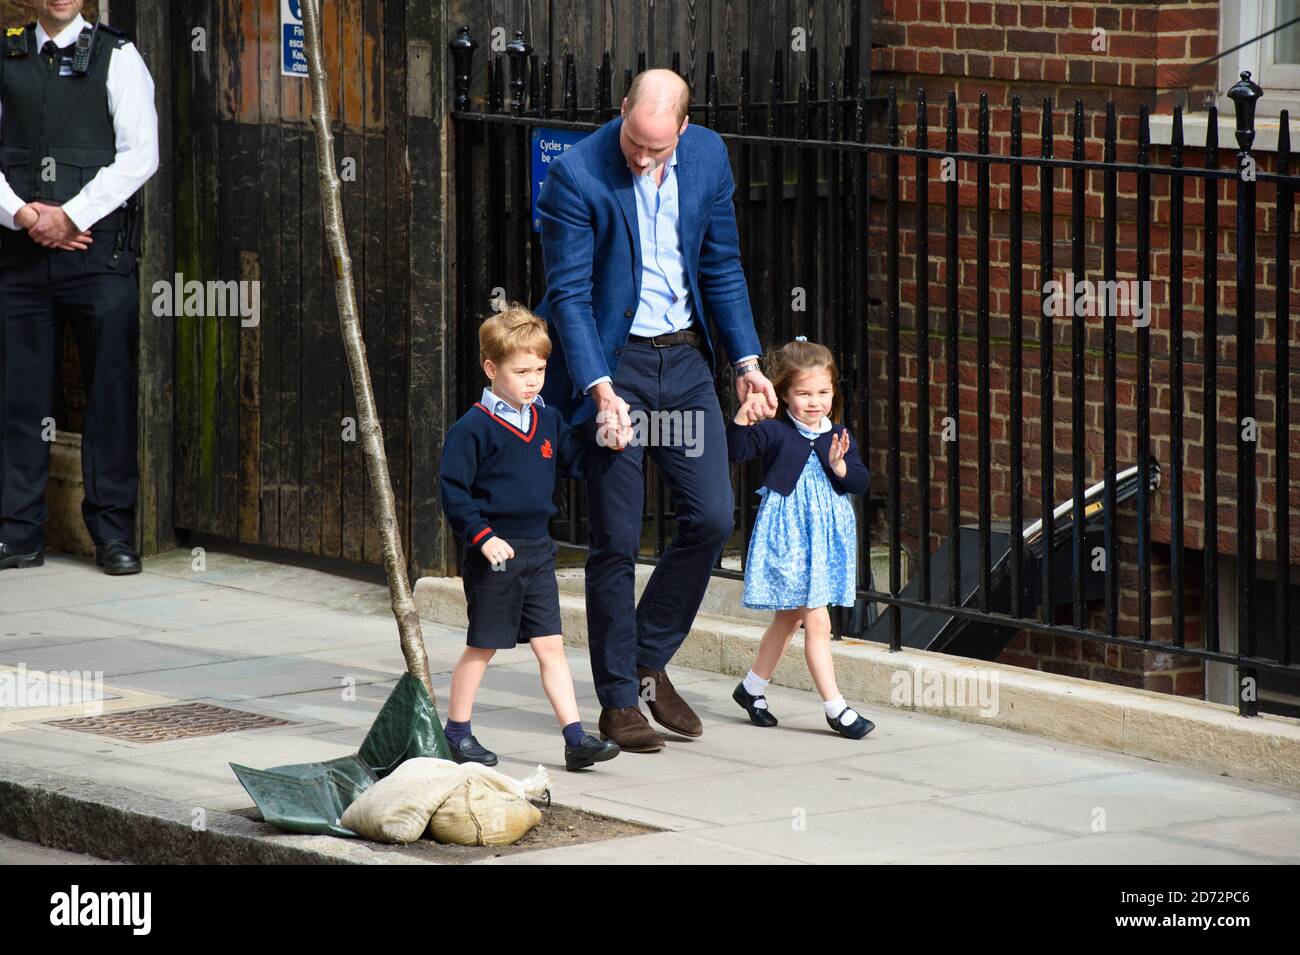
(160, 723)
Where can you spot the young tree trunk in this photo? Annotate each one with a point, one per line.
(372, 437)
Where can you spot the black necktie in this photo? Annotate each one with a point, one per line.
(50, 50)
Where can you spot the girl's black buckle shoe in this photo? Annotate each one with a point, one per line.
(758, 715)
(855, 730)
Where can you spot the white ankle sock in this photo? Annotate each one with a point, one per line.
(755, 685)
(837, 706)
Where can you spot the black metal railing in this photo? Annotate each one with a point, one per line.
(804, 170)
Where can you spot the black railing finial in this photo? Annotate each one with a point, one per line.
(462, 54)
(1244, 94)
(518, 51)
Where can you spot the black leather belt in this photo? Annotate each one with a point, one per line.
(686, 336)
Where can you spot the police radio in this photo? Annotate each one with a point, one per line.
(85, 45)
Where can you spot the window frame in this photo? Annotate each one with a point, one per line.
(1280, 82)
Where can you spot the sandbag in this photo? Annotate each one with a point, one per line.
(398, 807)
(477, 813)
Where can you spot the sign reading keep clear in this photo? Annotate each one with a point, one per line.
(547, 145)
(293, 53)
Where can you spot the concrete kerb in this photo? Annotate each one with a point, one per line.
(79, 815)
(1155, 726)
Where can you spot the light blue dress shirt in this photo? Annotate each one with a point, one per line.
(503, 409)
(665, 304)
(665, 298)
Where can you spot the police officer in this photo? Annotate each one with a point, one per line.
(78, 138)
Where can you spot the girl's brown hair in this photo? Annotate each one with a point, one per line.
(793, 359)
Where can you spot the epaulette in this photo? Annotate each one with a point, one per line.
(120, 36)
(16, 42)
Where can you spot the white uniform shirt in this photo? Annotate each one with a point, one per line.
(135, 121)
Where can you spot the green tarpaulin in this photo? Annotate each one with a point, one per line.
(311, 797)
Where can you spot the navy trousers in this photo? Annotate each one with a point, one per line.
(621, 632)
(97, 296)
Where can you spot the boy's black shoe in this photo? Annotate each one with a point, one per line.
(9, 557)
(758, 715)
(589, 752)
(855, 730)
(468, 750)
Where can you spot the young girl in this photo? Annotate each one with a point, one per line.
(803, 552)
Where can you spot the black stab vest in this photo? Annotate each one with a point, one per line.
(45, 116)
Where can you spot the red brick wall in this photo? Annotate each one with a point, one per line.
(1035, 50)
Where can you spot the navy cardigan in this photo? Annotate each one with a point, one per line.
(785, 453)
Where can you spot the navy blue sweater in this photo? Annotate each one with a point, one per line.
(499, 481)
(785, 453)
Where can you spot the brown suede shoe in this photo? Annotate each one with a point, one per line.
(630, 729)
(669, 710)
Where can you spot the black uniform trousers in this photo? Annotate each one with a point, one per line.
(95, 293)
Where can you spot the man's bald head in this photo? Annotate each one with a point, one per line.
(659, 91)
(655, 114)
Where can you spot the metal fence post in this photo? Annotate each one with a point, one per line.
(1244, 94)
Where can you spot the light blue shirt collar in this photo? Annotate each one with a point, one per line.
(503, 410)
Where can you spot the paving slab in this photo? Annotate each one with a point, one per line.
(1120, 802)
(112, 657)
(885, 834)
(659, 848)
(1269, 836)
(44, 628)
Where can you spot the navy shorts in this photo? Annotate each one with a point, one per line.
(511, 606)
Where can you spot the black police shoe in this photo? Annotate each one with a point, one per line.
(589, 751)
(859, 728)
(468, 750)
(9, 557)
(758, 715)
(117, 557)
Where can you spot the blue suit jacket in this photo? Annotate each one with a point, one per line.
(591, 248)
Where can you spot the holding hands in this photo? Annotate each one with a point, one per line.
(613, 420)
(754, 409)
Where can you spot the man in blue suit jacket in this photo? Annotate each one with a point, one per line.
(640, 246)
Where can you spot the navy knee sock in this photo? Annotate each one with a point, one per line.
(456, 732)
(573, 734)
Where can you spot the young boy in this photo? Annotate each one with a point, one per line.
(499, 464)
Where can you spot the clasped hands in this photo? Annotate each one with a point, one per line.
(755, 408)
(50, 226)
(614, 423)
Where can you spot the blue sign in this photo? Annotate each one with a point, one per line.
(547, 144)
(293, 54)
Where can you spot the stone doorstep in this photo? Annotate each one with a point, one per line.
(722, 598)
(1194, 733)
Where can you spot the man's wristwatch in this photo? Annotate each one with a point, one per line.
(745, 367)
